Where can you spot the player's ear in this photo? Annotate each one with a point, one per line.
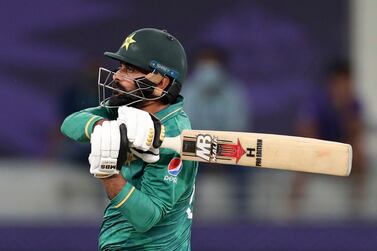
(161, 86)
(164, 83)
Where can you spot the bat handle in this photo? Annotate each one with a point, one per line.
(173, 143)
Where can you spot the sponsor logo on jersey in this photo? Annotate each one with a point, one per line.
(170, 178)
(175, 166)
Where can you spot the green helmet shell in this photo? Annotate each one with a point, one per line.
(152, 49)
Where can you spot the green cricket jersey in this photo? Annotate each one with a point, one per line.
(154, 209)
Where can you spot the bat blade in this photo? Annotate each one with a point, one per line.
(263, 151)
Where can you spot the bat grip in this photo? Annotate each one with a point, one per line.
(173, 143)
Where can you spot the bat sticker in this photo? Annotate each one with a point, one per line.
(232, 150)
(206, 147)
(210, 148)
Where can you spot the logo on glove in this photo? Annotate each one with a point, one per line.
(107, 166)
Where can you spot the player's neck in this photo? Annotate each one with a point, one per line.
(154, 107)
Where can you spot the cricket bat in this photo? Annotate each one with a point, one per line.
(263, 151)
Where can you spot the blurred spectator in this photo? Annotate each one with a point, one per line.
(80, 94)
(335, 114)
(215, 100)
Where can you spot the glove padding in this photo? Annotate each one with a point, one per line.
(109, 149)
(151, 156)
(144, 132)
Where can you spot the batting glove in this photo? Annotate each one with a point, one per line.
(108, 149)
(144, 132)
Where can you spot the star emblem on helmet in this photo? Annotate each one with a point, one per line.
(129, 40)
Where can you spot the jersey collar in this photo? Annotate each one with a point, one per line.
(170, 111)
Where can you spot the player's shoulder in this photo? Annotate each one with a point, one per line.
(175, 125)
(174, 118)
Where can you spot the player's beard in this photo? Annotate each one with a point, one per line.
(124, 98)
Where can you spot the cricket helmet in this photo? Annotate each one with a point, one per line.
(150, 50)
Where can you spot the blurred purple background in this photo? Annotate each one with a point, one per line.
(277, 48)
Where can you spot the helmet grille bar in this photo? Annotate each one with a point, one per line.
(106, 83)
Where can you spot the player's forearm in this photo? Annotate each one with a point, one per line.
(113, 185)
(79, 125)
(135, 205)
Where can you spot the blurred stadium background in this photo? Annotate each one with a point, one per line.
(277, 53)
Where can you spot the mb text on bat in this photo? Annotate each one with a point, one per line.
(263, 151)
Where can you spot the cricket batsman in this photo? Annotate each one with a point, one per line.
(151, 190)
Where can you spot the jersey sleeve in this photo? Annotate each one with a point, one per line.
(79, 125)
(161, 189)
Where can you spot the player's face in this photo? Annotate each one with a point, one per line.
(125, 77)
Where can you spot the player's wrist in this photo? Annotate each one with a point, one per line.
(112, 178)
(99, 122)
(113, 185)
